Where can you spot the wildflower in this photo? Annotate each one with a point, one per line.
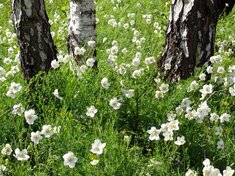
(2, 71)
(55, 64)
(207, 89)
(168, 135)
(97, 147)
(91, 43)
(232, 90)
(191, 173)
(56, 94)
(159, 94)
(209, 69)
(13, 90)
(149, 60)
(154, 134)
(224, 117)
(220, 144)
(202, 77)
(214, 117)
(18, 109)
(220, 70)
(136, 73)
(193, 86)
(228, 172)
(21, 155)
(70, 159)
(94, 162)
(115, 103)
(136, 61)
(104, 83)
(186, 102)
(36, 137)
(91, 111)
(30, 116)
(219, 131)
(167, 66)
(47, 131)
(216, 59)
(90, 62)
(7, 150)
(164, 88)
(2, 169)
(128, 93)
(180, 140)
(79, 51)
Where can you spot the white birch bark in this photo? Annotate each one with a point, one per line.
(82, 25)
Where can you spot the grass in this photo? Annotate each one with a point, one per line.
(128, 150)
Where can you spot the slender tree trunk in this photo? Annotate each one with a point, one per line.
(190, 36)
(82, 26)
(37, 49)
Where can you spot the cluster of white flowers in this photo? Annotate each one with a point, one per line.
(19, 155)
(163, 88)
(13, 90)
(167, 130)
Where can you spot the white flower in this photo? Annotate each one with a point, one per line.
(136, 61)
(104, 83)
(167, 66)
(154, 134)
(168, 135)
(90, 62)
(97, 147)
(56, 94)
(224, 117)
(94, 162)
(191, 173)
(149, 60)
(13, 89)
(228, 172)
(83, 68)
(164, 88)
(219, 131)
(128, 93)
(115, 103)
(47, 131)
(136, 73)
(202, 77)
(206, 162)
(91, 43)
(36, 137)
(209, 69)
(2, 169)
(2, 71)
(214, 117)
(220, 144)
(207, 89)
(193, 86)
(232, 90)
(180, 140)
(55, 64)
(220, 70)
(70, 159)
(159, 94)
(17, 109)
(216, 59)
(21, 155)
(186, 102)
(91, 111)
(7, 150)
(79, 51)
(30, 116)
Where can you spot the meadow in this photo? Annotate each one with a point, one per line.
(121, 118)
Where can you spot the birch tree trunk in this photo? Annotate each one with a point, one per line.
(190, 35)
(82, 26)
(37, 49)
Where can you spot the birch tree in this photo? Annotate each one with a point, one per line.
(82, 27)
(32, 28)
(191, 35)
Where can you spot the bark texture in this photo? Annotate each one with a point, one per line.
(82, 25)
(190, 35)
(37, 49)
